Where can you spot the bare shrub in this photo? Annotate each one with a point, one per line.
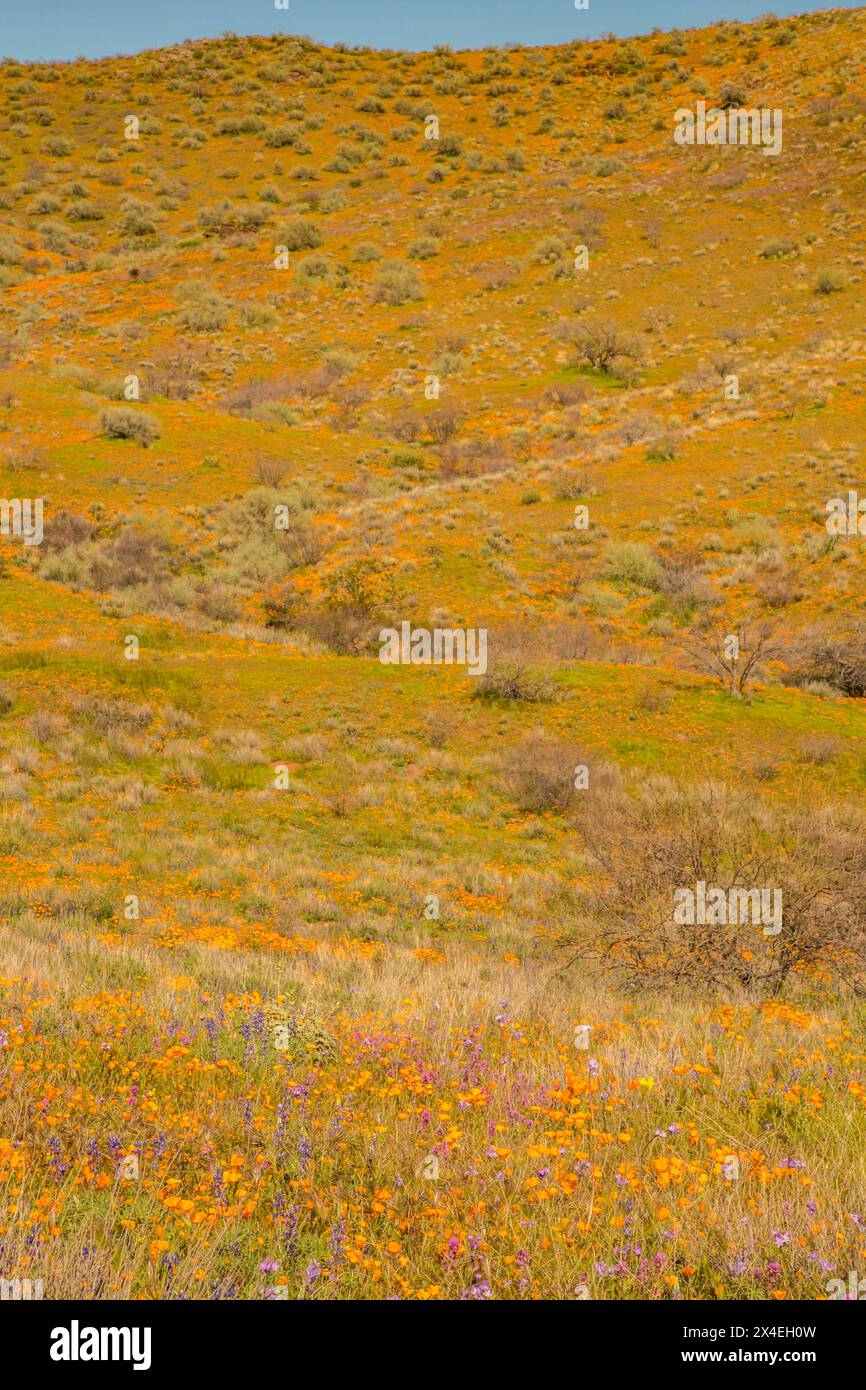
(407, 428)
(442, 424)
(345, 632)
(136, 556)
(496, 277)
(269, 472)
(565, 393)
(173, 372)
(302, 545)
(684, 587)
(647, 844)
(819, 749)
(836, 660)
(65, 529)
(512, 682)
(108, 714)
(780, 590)
(217, 603)
(243, 400)
(474, 457)
(539, 774)
(241, 746)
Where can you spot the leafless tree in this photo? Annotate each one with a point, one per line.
(734, 654)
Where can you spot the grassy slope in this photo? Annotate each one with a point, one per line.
(452, 1037)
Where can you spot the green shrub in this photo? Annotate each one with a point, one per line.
(775, 250)
(239, 125)
(831, 282)
(205, 309)
(10, 251)
(367, 251)
(633, 563)
(56, 146)
(300, 235)
(119, 422)
(396, 283)
(83, 211)
(423, 248)
(314, 268)
(287, 136)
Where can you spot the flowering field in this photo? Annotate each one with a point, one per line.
(329, 977)
(437, 1135)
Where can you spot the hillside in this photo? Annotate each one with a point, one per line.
(298, 344)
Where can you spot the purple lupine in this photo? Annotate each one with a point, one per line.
(55, 1151)
(481, 1290)
(305, 1152)
(219, 1188)
(338, 1240)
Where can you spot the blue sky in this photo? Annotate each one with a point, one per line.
(51, 29)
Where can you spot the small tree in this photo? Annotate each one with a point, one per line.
(602, 345)
(733, 654)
